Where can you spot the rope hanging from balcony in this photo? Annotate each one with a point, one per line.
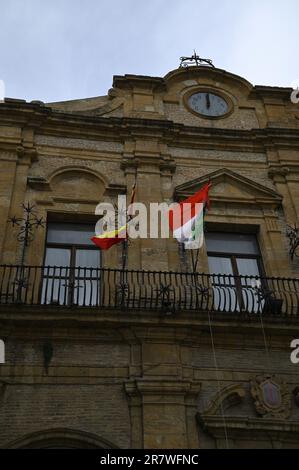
(265, 342)
(218, 380)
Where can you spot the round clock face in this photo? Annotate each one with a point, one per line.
(208, 104)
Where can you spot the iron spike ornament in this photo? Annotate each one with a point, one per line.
(293, 236)
(25, 235)
(195, 61)
(27, 224)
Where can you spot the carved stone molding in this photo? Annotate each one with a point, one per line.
(162, 387)
(25, 155)
(112, 105)
(231, 187)
(131, 163)
(226, 398)
(167, 165)
(278, 174)
(113, 190)
(239, 428)
(38, 183)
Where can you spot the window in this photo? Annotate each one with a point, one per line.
(71, 274)
(232, 253)
(230, 257)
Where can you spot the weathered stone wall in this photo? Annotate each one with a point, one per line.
(146, 380)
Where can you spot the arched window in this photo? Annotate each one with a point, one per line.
(61, 439)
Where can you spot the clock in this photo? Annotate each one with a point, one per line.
(208, 104)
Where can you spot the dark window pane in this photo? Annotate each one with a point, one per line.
(220, 265)
(58, 257)
(231, 293)
(88, 258)
(248, 267)
(232, 243)
(76, 234)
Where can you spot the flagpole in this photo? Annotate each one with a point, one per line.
(125, 243)
(124, 254)
(194, 261)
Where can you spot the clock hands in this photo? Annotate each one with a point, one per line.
(208, 104)
(208, 101)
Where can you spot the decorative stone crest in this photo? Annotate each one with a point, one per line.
(271, 396)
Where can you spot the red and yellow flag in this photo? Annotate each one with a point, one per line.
(106, 240)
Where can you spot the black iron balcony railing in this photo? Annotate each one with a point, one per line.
(165, 291)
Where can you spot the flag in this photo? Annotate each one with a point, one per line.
(187, 219)
(108, 239)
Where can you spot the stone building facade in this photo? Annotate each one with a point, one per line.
(111, 374)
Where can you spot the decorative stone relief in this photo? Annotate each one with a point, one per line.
(271, 397)
(230, 396)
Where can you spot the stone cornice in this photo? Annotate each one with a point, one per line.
(19, 112)
(222, 323)
(71, 125)
(275, 93)
(162, 386)
(187, 73)
(242, 427)
(138, 81)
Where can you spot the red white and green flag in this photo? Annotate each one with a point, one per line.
(187, 219)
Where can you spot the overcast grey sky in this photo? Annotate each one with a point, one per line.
(55, 50)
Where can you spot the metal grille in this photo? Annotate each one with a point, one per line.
(166, 291)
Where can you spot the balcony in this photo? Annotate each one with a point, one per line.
(168, 292)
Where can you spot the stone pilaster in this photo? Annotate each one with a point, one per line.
(144, 161)
(160, 410)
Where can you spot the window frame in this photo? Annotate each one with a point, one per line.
(73, 247)
(233, 259)
(233, 256)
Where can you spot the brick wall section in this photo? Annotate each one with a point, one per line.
(98, 409)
